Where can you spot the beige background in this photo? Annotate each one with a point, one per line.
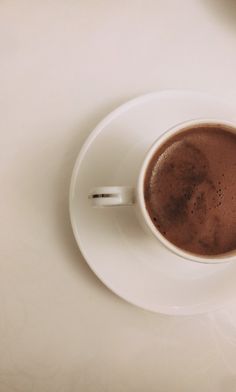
(63, 66)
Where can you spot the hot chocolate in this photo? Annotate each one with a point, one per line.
(190, 190)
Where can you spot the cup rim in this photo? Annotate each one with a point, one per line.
(215, 259)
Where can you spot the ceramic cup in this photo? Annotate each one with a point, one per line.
(114, 196)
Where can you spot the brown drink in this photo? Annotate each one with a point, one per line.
(190, 190)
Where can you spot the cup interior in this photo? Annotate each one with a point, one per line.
(188, 125)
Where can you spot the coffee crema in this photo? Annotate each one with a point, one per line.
(190, 190)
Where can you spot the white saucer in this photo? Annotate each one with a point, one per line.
(131, 263)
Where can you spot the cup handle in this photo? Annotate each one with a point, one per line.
(110, 196)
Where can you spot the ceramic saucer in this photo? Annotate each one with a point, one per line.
(129, 261)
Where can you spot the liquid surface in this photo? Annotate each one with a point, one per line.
(190, 190)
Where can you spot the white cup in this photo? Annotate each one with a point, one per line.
(114, 196)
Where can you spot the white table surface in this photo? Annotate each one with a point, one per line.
(63, 66)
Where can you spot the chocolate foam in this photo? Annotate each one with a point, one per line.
(190, 190)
